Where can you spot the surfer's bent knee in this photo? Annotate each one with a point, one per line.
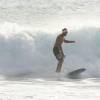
(61, 60)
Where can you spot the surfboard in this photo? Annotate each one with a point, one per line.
(76, 72)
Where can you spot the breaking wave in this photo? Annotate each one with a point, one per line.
(28, 51)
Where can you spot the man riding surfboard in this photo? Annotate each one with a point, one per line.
(57, 49)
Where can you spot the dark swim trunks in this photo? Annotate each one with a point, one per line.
(57, 52)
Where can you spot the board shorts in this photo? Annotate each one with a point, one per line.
(57, 52)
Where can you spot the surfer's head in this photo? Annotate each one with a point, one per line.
(64, 31)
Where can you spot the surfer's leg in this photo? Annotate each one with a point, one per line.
(59, 66)
(59, 55)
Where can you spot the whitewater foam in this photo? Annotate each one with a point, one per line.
(28, 30)
(26, 51)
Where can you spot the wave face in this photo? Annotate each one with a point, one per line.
(28, 29)
(31, 52)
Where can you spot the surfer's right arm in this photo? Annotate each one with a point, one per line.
(67, 41)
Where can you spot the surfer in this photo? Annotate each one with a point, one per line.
(57, 49)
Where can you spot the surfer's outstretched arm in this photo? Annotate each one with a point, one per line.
(67, 41)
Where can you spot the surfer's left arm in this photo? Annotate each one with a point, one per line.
(67, 41)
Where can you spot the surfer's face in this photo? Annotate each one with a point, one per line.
(65, 33)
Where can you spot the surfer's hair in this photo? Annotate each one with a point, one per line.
(64, 29)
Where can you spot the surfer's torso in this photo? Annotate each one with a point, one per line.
(59, 40)
(58, 52)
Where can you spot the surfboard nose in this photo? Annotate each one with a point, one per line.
(76, 73)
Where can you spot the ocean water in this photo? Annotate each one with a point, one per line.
(28, 29)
